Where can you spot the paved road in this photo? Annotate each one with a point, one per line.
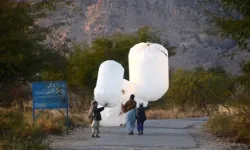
(159, 134)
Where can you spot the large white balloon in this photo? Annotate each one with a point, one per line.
(109, 83)
(112, 117)
(128, 89)
(138, 101)
(148, 70)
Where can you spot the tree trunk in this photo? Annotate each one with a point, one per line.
(229, 111)
(20, 105)
(183, 105)
(206, 108)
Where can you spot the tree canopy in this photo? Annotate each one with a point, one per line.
(22, 52)
(83, 63)
(198, 88)
(235, 24)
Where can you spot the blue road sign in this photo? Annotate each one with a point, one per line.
(50, 95)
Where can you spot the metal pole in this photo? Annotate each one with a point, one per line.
(34, 115)
(67, 119)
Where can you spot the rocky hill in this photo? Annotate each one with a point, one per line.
(183, 23)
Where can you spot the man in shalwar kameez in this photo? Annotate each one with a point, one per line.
(130, 109)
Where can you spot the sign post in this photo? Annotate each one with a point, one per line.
(50, 95)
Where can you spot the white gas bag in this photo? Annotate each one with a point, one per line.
(128, 89)
(148, 70)
(109, 83)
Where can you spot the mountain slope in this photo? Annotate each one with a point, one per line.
(182, 22)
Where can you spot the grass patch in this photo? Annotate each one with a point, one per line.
(173, 113)
(236, 128)
(53, 122)
(17, 133)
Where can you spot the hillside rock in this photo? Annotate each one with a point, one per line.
(184, 23)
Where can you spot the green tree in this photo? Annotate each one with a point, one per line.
(218, 70)
(241, 96)
(198, 88)
(235, 23)
(83, 63)
(22, 52)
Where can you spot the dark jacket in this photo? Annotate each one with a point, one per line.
(130, 104)
(97, 113)
(140, 113)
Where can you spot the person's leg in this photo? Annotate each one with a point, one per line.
(138, 126)
(93, 128)
(128, 126)
(97, 128)
(133, 118)
(133, 126)
(93, 132)
(128, 123)
(142, 127)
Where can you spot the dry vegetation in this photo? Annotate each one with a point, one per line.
(173, 113)
(235, 128)
(18, 131)
(52, 121)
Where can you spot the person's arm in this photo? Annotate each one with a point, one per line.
(136, 113)
(146, 108)
(100, 109)
(122, 109)
(126, 105)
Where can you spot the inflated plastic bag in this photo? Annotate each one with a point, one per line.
(138, 101)
(128, 89)
(109, 83)
(112, 117)
(148, 70)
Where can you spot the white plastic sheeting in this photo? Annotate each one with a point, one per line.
(112, 116)
(148, 81)
(109, 83)
(138, 101)
(128, 89)
(148, 70)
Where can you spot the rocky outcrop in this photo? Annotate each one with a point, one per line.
(184, 23)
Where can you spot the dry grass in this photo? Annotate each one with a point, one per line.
(17, 129)
(174, 113)
(236, 128)
(16, 132)
(53, 122)
(227, 110)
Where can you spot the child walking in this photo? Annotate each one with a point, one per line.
(141, 118)
(96, 119)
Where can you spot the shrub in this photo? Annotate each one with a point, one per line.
(53, 122)
(233, 127)
(173, 113)
(198, 88)
(16, 133)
